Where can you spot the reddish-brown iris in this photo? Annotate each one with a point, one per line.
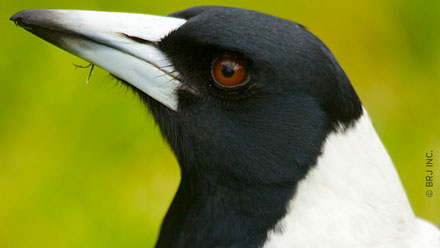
(229, 72)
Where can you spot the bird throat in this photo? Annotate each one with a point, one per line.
(219, 214)
(232, 191)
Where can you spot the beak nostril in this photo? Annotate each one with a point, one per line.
(139, 40)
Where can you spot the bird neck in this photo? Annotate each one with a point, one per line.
(352, 181)
(219, 214)
(353, 196)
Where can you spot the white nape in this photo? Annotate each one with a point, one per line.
(352, 198)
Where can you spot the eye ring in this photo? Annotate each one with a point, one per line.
(229, 72)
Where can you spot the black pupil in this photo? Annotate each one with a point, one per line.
(228, 69)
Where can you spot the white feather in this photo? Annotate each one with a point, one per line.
(353, 197)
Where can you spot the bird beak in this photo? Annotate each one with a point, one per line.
(124, 44)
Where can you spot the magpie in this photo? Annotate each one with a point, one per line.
(274, 145)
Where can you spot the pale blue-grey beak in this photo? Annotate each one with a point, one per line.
(124, 44)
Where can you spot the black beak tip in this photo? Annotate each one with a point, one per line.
(19, 15)
(17, 18)
(24, 17)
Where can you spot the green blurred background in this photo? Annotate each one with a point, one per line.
(85, 166)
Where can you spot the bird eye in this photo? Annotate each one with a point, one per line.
(229, 72)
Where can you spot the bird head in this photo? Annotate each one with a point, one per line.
(236, 93)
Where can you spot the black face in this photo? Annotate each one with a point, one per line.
(294, 93)
(243, 147)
